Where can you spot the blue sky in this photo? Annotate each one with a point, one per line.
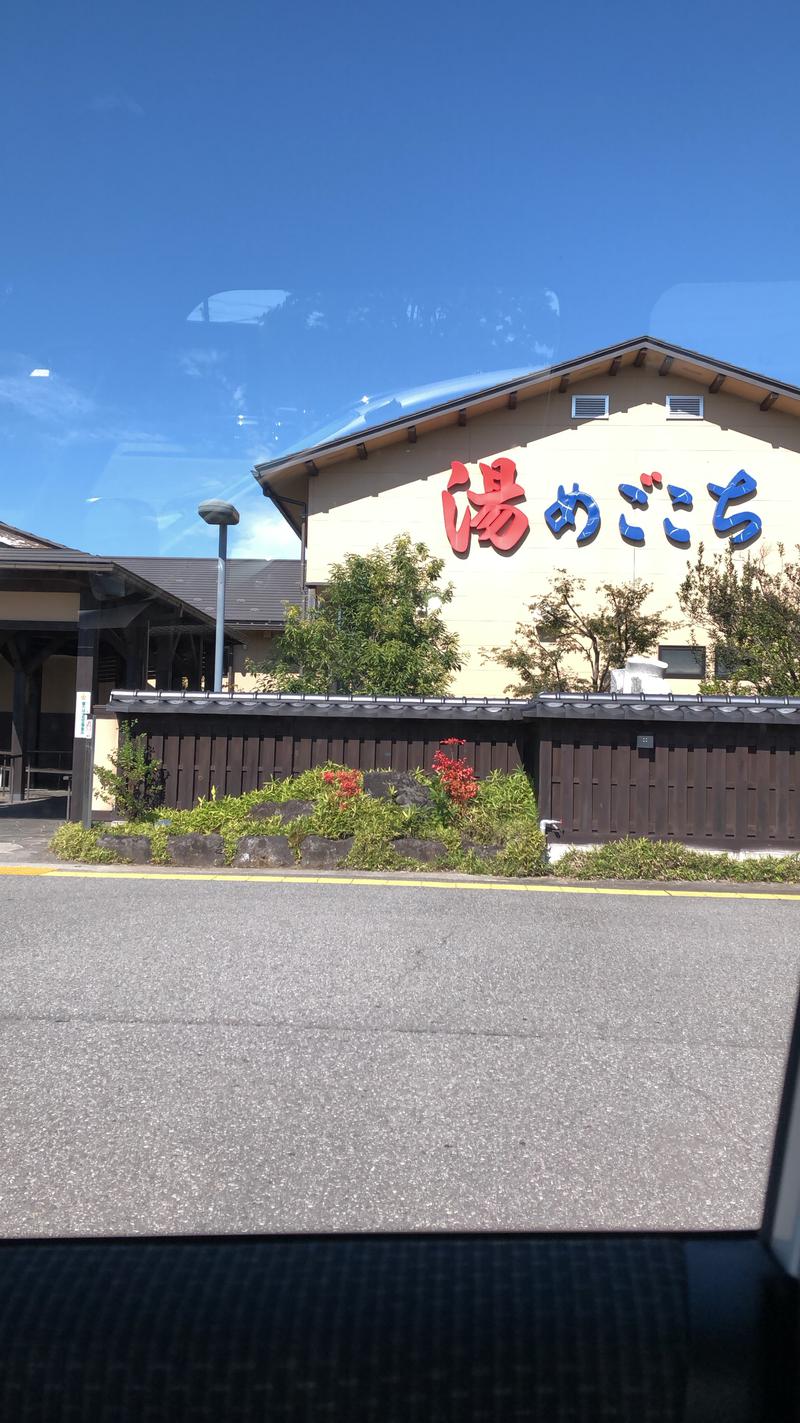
(225, 225)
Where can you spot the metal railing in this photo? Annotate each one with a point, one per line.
(10, 772)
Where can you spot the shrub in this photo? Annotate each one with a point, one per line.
(457, 777)
(135, 783)
(525, 853)
(502, 811)
(72, 841)
(668, 860)
(344, 784)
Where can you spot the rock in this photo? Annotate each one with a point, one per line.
(426, 850)
(272, 851)
(195, 849)
(133, 849)
(486, 852)
(321, 853)
(410, 791)
(286, 809)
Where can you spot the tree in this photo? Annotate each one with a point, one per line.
(751, 617)
(562, 633)
(376, 630)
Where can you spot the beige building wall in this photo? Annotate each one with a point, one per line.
(355, 506)
(255, 644)
(40, 607)
(106, 741)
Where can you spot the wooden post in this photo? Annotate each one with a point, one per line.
(196, 670)
(85, 681)
(135, 677)
(19, 729)
(164, 662)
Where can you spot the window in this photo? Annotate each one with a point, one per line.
(590, 407)
(685, 407)
(683, 661)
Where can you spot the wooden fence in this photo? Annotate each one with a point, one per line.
(719, 777)
(236, 754)
(720, 786)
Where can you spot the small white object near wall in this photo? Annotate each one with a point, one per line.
(640, 674)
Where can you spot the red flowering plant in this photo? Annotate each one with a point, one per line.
(344, 785)
(455, 776)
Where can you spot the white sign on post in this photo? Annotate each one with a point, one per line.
(83, 716)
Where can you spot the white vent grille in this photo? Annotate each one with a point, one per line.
(684, 407)
(590, 407)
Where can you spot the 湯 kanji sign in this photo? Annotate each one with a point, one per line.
(495, 519)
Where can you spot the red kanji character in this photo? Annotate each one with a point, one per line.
(495, 521)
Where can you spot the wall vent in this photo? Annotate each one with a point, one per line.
(590, 407)
(684, 407)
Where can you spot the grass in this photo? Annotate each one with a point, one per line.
(667, 860)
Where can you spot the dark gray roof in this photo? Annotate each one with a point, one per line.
(256, 592)
(12, 537)
(73, 561)
(566, 706)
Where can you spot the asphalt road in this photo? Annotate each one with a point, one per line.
(189, 1055)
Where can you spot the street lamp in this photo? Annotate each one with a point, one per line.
(216, 511)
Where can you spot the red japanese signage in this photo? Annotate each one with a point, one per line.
(495, 519)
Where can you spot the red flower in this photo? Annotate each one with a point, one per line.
(457, 777)
(346, 784)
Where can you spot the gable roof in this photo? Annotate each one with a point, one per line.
(12, 537)
(70, 561)
(256, 591)
(280, 477)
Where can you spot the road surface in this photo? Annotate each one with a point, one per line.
(192, 1055)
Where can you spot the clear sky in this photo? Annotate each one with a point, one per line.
(224, 224)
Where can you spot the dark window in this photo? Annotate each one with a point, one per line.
(683, 661)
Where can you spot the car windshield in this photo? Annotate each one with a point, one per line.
(399, 617)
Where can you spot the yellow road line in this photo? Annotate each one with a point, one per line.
(503, 886)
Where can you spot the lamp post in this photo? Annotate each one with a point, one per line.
(216, 511)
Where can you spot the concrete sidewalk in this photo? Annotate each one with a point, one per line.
(24, 838)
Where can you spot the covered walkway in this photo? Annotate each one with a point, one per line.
(73, 627)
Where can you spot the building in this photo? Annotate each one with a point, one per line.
(76, 625)
(615, 466)
(257, 594)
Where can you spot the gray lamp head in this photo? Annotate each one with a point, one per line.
(216, 511)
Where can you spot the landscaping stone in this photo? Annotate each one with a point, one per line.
(265, 851)
(286, 809)
(133, 849)
(414, 849)
(195, 849)
(321, 853)
(486, 852)
(410, 791)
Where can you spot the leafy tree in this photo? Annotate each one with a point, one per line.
(376, 630)
(750, 613)
(563, 634)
